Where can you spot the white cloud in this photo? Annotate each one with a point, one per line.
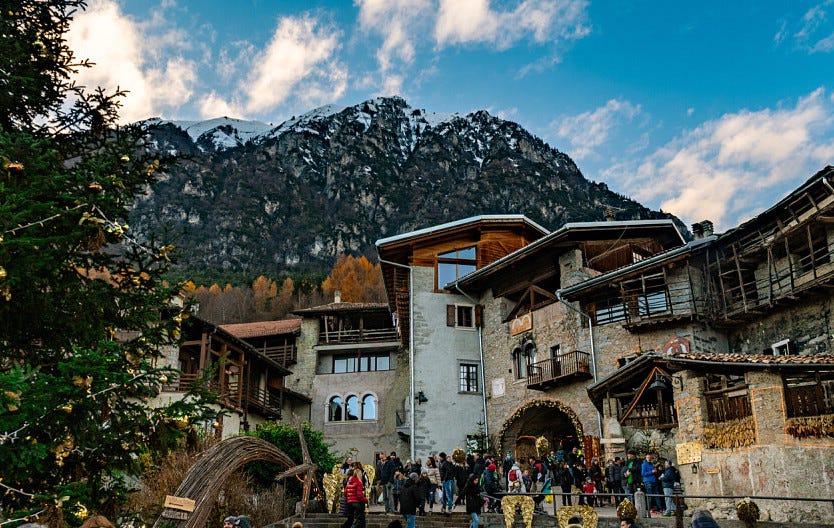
(814, 31)
(404, 24)
(589, 130)
(401, 24)
(730, 168)
(299, 63)
(475, 21)
(135, 63)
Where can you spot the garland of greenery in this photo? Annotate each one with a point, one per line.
(548, 403)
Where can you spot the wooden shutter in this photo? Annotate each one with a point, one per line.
(450, 315)
(479, 316)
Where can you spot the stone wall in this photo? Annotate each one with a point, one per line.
(808, 324)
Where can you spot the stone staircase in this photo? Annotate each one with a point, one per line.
(455, 520)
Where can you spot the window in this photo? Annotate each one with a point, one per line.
(460, 316)
(361, 363)
(783, 348)
(519, 364)
(468, 377)
(369, 407)
(352, 406)
(334, 409)
(455, 264)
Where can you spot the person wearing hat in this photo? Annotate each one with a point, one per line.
(242, 521)
(410, 499)
(229, 522)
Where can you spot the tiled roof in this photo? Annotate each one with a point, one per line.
(753, 359)
(343, 307)
(263, 328)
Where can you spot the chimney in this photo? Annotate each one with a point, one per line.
(697, 230)
(702, 229)
(337, 296)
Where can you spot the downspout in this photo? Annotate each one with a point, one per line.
(481, 354)
(593, 348)
(410, 349)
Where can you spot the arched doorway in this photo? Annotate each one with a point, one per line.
(549, 418)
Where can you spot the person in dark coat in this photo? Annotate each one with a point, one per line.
(703, 519)
(474, 501)
(565, 479)
(426, 488)
(410, 500)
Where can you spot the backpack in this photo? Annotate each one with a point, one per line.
(513, 476)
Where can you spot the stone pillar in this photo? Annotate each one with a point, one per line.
(612, 439)
(766, 399)
(690, 404)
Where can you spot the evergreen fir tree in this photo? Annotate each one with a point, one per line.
(85, 316)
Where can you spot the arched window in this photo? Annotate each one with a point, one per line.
(369, 407)
(519, 364)
(352, 407)
(530, 352)
(334, 409)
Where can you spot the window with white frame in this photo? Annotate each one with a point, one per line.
(469, 377)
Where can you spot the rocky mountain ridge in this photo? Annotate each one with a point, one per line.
(248, 197)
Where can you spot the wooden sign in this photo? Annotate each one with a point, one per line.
(522, 323)
(179, 503)
(688, 452)
(713, 471)
(168, 513)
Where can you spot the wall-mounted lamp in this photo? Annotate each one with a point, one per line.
(695, 468)
(421, 398)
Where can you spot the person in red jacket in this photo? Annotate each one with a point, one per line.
(356, 499)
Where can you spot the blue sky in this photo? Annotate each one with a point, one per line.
(710, 110)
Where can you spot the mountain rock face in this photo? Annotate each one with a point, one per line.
(251, 198)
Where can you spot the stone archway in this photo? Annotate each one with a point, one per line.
(541, 417)
(204, 480)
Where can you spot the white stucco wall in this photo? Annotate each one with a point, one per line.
(449, 416)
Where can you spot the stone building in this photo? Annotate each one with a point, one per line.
(351, 366)
(445, 404)
(716, 352)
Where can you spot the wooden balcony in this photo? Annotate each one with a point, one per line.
(339, 337)
(265, 402)
(652, 416)
(284, 355)
(564, 368)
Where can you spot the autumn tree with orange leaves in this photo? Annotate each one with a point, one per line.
(357, 279)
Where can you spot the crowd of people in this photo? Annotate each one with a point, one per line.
(415, 487)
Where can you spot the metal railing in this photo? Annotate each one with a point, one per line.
(567, 364)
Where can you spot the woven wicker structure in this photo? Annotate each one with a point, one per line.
(205, 479)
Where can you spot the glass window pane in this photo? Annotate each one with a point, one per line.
(369, 407)
(446, 273)
(465, 269)
(468, 253)
(335, 409)
(382, 362)
(339, 365)
(352, 408)
(363, 364)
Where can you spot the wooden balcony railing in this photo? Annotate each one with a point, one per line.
(284, 355)
(336, 337)
(723, 406)
(807, 400)
(652, 416)
(556, 370)
(263, 401)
